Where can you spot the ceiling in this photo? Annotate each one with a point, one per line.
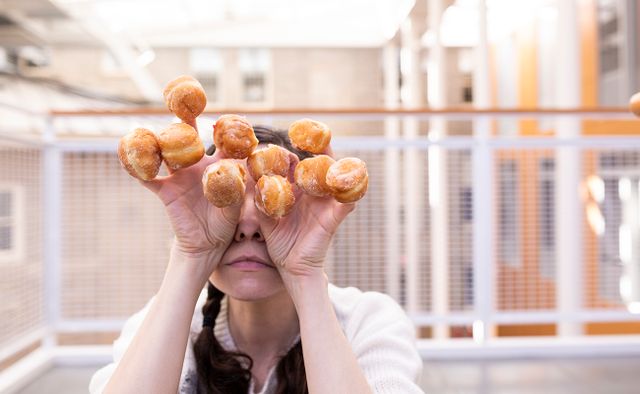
(130, 29)
(220, 23)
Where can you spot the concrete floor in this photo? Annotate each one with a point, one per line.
(566, 376)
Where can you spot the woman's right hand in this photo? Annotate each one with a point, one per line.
(202, 230)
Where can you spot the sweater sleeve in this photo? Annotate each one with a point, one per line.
(383, 340)
(100, 379)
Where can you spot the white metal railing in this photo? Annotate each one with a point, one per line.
(484, 314)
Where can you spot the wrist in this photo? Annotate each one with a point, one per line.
(206, 256)
(306, 289)
(190, 269)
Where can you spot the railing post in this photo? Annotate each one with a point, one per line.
(52, 203)
(483, 188)
(413, 207)
(412, 215)
(438, 185)
(391, 171)
(569, 261)
(483, 232)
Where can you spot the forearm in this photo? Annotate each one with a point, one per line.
(153, 361)
(330, 364)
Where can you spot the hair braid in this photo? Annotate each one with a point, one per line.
(292, 377)
(219, 371)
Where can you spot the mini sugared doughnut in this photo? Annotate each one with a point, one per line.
(139, 154)
(311, 175)
(274, 196)
(180, 145)
(234, 136)
(272, 160)
(224, 182)
(634, 104)
(348, 179)
(310, 135)
(185, 97)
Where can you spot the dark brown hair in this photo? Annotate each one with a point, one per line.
(221, 371)
(269, 135)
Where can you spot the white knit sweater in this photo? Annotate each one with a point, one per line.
(381, 336)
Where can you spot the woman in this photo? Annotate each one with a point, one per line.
(269, 321)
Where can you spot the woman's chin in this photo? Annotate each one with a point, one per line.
(249, 286)
(248, 291)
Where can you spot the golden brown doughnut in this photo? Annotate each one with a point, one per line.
(175, 82)
(311, 175)
(180, 145)
(274, 196)
(185, 97)
(272, 160)
(310, 135)
(634, 104)
(139, 154)
(224, 183)
(348, 179)
(234, 135)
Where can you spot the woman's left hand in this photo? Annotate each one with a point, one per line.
(298, 242)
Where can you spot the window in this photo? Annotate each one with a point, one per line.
(509, 252)
(253, 87)
(10, 224)
(611, 208)
(211, 87)
(617, 37)
(466, 204)
(254, 66)
(206, 65)
(547, 217)
(619, 243)
(609, 30)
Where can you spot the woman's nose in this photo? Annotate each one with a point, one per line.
(248, 224)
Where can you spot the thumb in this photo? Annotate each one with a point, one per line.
(231, 214)
(267, 223)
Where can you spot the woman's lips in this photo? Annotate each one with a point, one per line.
(251, 263)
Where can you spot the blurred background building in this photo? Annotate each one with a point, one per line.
(504, 205)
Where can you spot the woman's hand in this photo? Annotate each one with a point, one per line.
(298, 242)
(202, 230)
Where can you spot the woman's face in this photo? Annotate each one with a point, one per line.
(246, 271)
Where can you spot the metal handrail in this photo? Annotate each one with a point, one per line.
(582, 111)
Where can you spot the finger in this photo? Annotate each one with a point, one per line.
(192, 123)
(329, 151)
(207, 160)
(293, 163)
(267, 224)
(170, 171)
(232, 213)
(204, 162)
(154, 185)
(298, 193)
(341, 211)
(218, 155)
